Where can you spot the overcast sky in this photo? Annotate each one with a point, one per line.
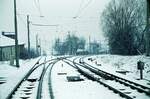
(81, 17)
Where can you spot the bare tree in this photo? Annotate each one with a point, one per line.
(69, 45)
(123, 22)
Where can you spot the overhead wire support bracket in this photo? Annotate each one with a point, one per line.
(44, 25)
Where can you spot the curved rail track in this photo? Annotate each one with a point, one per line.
(36, 84)
(30, 86)
(121, 86)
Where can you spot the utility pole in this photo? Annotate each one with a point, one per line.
(28, 28)
(37, 45)
(16, 35)
(52, 48)
(40, 46)
(148, 30)
(89, 44)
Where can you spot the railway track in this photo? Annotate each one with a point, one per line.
(32, 85)
(121, 86)
(37, 82)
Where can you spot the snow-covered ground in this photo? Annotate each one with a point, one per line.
(85, 89)
(13, 75)
(113, 63)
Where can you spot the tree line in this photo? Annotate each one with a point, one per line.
(124, 24)
(73, 45)
(70, 45)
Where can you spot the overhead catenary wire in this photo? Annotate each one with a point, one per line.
(80, 6)
(37, 4)
(44, 24)
(82, 9)
(22, 20)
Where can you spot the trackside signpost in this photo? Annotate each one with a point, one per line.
(140, 66)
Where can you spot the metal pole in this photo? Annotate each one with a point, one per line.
(16, 35)
(148, 28)
(141, 73)
(28, 28)
(89, 44)
(37, 44)
(40, 46)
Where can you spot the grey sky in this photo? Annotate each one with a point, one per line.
(55, 12)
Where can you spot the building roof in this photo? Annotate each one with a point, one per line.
(6, 41)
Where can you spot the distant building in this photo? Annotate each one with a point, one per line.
(82, 52)
(9, 34)
(7, 48)
(94, 47)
